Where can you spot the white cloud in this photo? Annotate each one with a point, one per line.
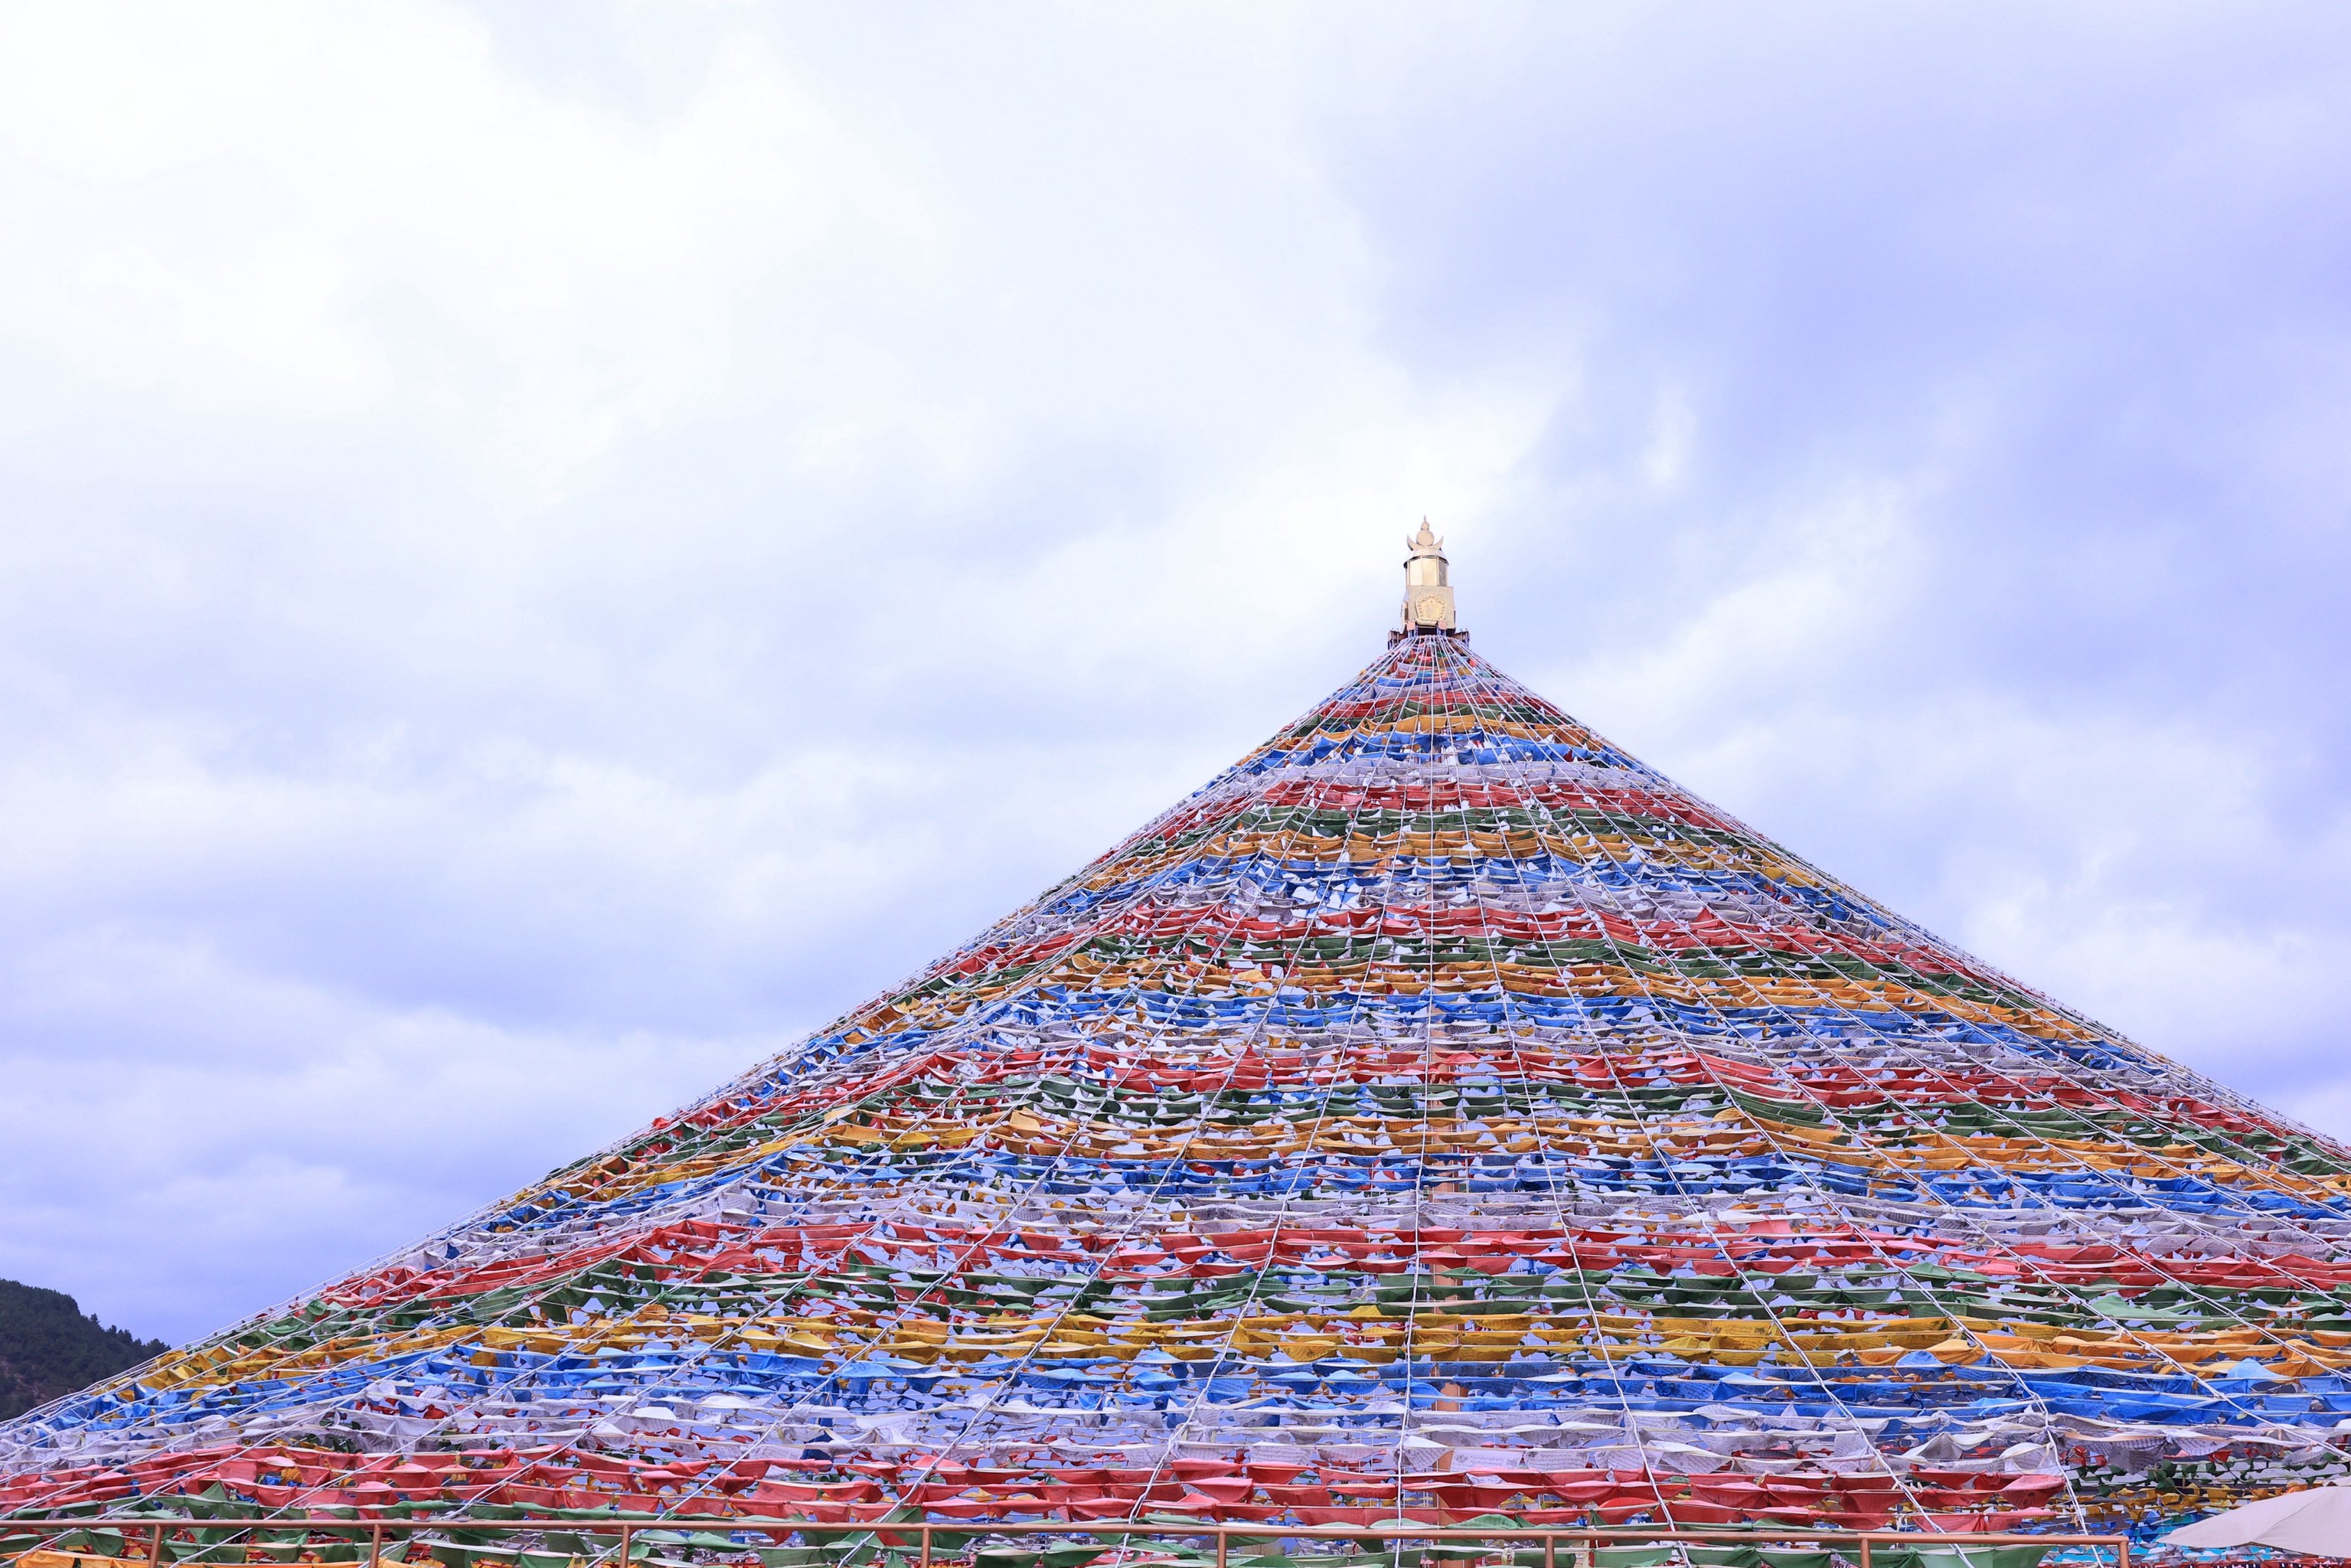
(546, 554)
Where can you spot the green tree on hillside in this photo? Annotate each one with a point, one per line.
(47, 1347)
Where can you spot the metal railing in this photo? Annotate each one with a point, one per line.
(925, 1538)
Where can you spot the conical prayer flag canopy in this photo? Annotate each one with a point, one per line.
(1439, 1113)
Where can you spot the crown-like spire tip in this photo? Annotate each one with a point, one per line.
(1428, 585)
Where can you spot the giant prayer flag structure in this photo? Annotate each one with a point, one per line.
(1438, 1113)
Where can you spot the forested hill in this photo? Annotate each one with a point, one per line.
(48, 1348)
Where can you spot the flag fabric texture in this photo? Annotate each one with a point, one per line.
(1438, 1114)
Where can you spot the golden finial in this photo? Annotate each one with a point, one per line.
(1427, 590)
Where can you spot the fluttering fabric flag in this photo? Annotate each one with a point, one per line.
(1438, 1113)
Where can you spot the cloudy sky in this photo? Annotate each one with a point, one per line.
(544, 550)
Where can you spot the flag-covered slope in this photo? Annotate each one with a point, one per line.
(1439, 1111)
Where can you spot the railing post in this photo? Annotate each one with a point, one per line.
(1221, 1543)
(626, 1531)
(375, 1543)
(1864, 1552)
(926, 1546)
